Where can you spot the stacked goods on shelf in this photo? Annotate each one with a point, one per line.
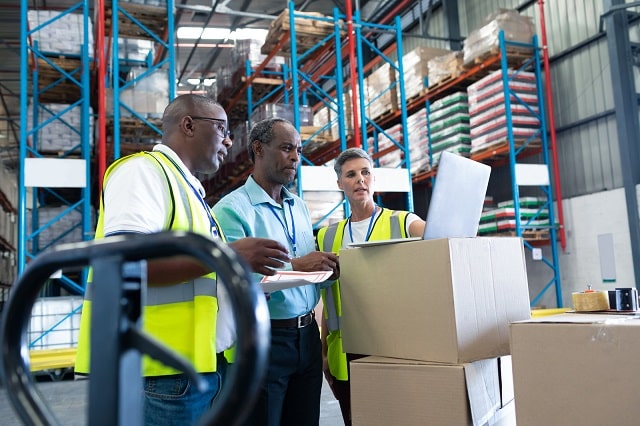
(485, 40)
(390, 140)
(488, 116)
(327, 118)
(154, 3)
(380, 94)
(267, 110)
(61, 131)
(503, 220)
(310, 29)
(55, 323)
(443, 68)
(240, 136)
(449, 126)
(322, 206)
(57, 224)
(249, 50)
(148, 96)
(133, 50)
(8, 225)
(415, 67)
(60, 34)
(418, 142)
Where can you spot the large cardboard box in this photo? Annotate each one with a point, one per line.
(446, 300)
(576, 369)
(388, 391)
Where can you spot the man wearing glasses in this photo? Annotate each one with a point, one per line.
(185, 309)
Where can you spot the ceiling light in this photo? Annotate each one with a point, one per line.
(249, 33)
(194, 33)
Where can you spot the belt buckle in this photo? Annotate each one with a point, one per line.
(300, 319)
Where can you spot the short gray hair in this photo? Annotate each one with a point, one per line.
(350, 154)
(262, 132)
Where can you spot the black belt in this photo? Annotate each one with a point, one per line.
(297, 322)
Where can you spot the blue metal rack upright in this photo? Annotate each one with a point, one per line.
(369, 123)
(514, 150)
(326, 88)
(66, 82)
(309, 81)
(168, 62)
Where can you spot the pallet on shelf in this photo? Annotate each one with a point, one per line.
(152, 17)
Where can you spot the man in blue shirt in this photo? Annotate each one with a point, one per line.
(263, 207)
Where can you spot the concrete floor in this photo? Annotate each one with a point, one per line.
(68, 400)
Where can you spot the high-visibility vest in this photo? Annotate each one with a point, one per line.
(389, 224)
(181, 316)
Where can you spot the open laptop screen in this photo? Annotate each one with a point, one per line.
(457, 198)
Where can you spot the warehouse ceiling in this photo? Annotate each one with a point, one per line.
(197, 60)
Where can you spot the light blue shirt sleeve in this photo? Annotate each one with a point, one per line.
(250, 212)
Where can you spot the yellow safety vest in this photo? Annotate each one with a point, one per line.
(389, 224)
(181, 316)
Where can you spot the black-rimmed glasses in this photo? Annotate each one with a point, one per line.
(220, 125)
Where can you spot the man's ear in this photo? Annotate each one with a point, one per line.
(186, 125)
(256, 146)
(340, 185)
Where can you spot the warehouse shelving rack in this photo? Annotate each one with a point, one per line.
(63, 79)
(60, 78)
(156, 23)
(511, 58)
(316, 77)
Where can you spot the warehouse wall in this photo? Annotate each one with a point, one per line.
(587, 217)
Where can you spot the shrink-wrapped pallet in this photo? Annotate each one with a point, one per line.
(516, 27)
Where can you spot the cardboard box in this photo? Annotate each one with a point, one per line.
(576, 369)
(446, 300)
(388, 391)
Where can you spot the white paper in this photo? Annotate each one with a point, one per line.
(289, 279)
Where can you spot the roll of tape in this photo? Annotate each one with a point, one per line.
(590, 301)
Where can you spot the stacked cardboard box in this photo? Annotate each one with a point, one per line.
(416, 70)
(576, 369)
(438, 313)
(488, 116)
(449, 126)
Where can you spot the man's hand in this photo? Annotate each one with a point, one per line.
(261, 254)
(317, 261)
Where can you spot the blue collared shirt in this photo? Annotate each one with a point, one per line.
(249, 212)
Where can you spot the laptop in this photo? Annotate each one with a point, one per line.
(456, 201)
(458, 197)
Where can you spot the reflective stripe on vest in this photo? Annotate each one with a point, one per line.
(169, 309)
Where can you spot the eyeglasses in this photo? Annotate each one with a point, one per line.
(220, 125)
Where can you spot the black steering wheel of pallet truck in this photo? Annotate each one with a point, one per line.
(114, 387)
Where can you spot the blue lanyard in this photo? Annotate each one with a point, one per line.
(212, 220)
(291, 237)
(369, 229)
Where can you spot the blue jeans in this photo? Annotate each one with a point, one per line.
(174, 400)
